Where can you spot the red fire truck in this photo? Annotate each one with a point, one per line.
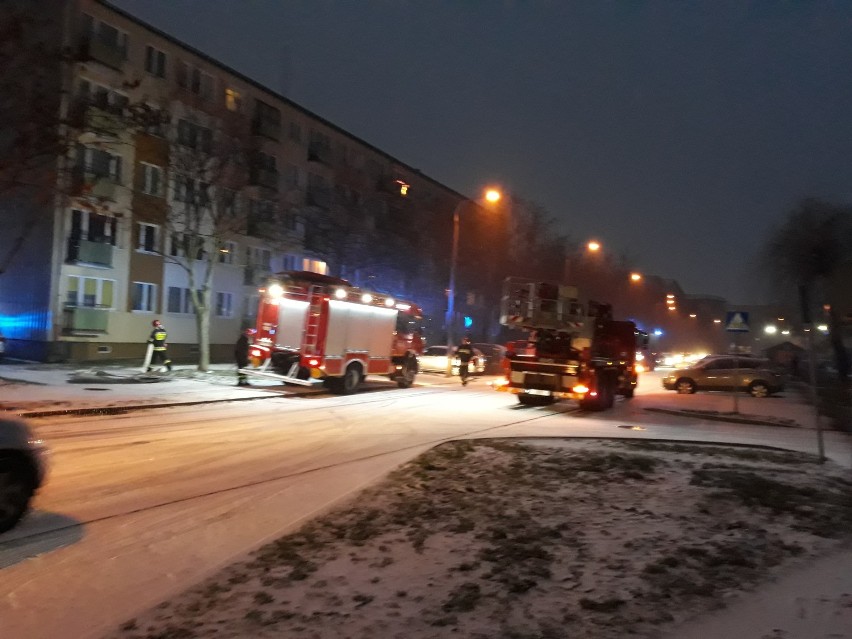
(315, 330)
(575, 350)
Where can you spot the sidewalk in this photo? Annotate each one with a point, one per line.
(33, 389)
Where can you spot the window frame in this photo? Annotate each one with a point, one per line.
(141, 246)
(149, 295)
(148, 169)
(156, 61)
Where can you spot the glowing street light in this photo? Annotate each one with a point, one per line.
(635, 277)
(717, 321)
(594, 246)
(491, 195)
(693, 315)
(770, 329)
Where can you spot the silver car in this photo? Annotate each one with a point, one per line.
(434, 360)
(23, 467)
(727, 372)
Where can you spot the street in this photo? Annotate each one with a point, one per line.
(142, 505)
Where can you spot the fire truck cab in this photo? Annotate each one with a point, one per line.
(316, 330)
(575, 350)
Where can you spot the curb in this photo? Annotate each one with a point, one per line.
(727, 418)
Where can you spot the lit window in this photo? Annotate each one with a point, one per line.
(233, 100)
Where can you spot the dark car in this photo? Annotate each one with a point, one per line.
(494, 354)
(23, 466)
(727, 372)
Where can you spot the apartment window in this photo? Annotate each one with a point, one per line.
(291, 263)
(227, 253)
(196, 81)
(295, 133)
(259, 257)
(177, 245)
(148, 237)
(230, 203)
(155, 61)
(194, 136)
(319, 147)
(289, 221)
(144, 297)
(224, 304)
(152, 179)
(102, 164)
(94, 227)
(267, 120)
(265, 161)
(102, 97)
(233, 100)
(315, 266)
(105, 33)
(291, 176)
(90, 292)
(179, 301)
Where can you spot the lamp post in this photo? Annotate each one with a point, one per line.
(492, 196)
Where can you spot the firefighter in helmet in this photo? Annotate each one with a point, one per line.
(159, 354)
(241, 354)
(464, 352)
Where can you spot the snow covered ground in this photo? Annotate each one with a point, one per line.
(544, 539)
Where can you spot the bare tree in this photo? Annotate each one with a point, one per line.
(805, 252)
(212, 163)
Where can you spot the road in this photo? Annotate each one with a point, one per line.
(142, 505)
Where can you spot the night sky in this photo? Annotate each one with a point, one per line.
(677, 133)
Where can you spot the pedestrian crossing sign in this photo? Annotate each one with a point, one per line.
(737, 322)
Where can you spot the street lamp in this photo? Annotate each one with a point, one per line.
(492, 196)
(594, 246)
(635, 277)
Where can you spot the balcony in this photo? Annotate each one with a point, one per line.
(103, 52)
(104, 188)
(266, 129)
(84, 320)
(319, 154)
(89, 252)
(265, 178)
(319, 197)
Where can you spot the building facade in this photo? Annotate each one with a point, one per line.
(175, 174)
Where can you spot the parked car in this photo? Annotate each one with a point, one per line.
(726, 372)
(23, 466)
(434, 360)
(494, 354)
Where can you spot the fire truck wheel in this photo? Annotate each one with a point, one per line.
(409, 371)
(347, 384)
(629, 393)
(535, 400)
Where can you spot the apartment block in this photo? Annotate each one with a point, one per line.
(167, 164)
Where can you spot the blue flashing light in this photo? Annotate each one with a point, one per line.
(468, 321)
(658, 331)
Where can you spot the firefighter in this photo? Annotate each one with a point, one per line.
(241, 354)
(464, 352)
(158, 340)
